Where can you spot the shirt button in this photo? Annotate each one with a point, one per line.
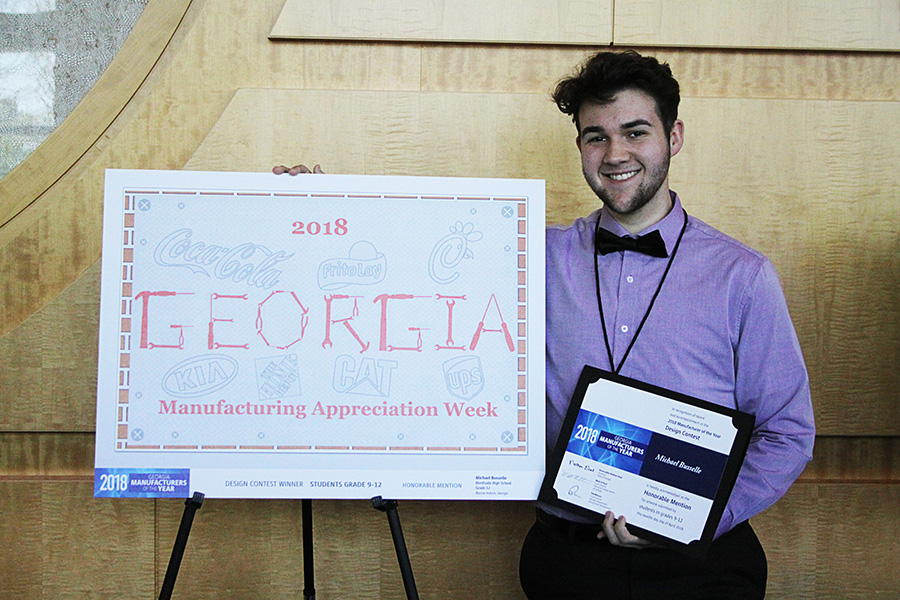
(629, 279)
(624, 328)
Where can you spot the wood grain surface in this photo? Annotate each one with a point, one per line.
(820, 24)
(484, 21)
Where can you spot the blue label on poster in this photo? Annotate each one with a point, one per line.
(142, 483)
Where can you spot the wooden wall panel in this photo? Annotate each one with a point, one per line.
(35, 456)
(788, 532)
(49, 374)
(859, 459)
(490, 21)
(58, 542)
(819, 547)
(82, 538)
(868, 542)
(20, 539)
(707, 73)
(819, 24)
(252, 549)
(449, 135)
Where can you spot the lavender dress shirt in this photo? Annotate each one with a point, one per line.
(719, 331)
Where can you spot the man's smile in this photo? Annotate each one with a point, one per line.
(622, 176)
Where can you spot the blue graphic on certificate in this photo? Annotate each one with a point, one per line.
(609, 442)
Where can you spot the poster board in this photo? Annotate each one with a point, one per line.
(320, 336)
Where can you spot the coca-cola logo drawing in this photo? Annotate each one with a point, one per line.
(253, 264)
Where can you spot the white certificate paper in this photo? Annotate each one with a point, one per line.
(665, 461)
(324, 336)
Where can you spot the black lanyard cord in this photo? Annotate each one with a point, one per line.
(652, 301)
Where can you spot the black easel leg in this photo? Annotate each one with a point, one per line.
(190, 507)
(309, 580)
(390, 507)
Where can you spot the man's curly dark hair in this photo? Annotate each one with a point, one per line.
(605, 74)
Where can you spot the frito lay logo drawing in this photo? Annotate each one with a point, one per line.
(464, 377)
(363, 266)
(200, 375)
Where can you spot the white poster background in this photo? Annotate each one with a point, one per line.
(324, 336)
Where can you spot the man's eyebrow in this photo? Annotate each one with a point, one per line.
(623, 126)
(637, 123)
(592, 129)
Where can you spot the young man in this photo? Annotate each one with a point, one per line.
(641, 288)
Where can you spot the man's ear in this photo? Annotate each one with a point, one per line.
(676, 137)
(578, 141)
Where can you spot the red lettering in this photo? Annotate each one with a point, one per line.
(382, 342)
(145, 320)
(210, 337)
(282, 320)
(281, 345)
(327, 343)
(457, 409)
(451, 302)
(503, 328)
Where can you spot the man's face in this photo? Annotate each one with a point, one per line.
(625, 153)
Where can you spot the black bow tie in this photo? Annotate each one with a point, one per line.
(651, 244)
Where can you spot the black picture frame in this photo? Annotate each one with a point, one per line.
(743, 424)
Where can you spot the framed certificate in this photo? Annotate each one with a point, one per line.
(664, 460)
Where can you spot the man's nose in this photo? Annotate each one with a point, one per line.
(616, 151)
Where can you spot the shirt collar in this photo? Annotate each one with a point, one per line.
(669, 226)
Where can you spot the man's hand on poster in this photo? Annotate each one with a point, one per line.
(296, 169)
(618, 535)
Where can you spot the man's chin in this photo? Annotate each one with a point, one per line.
(620, 208)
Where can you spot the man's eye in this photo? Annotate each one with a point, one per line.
(635, 134)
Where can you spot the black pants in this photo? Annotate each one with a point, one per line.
(553, 565)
